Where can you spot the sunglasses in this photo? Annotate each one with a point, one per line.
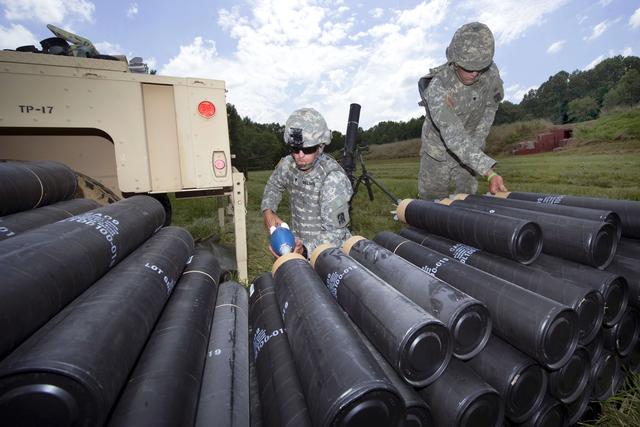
(485, 69)
(305, 150)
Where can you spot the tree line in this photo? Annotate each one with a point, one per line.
(563, 98)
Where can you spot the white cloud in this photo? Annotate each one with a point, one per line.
(556, 47)
(16, 36)
(377, 12)
(295, 54)
(510, 20)
(594, 62)
(48, 11)
(106, 48)
(132, 10)
(604, 3)
(634, 20)
(515, 93)
(627, 51)
(597, 31)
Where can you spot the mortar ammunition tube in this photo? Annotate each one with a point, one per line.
(568, 382)
(20, 222)
(342, 383)
(467, 319)
(588, 303)
(28, 185)
(74, 367)
(580, 240)
(415, 343)
(224, 393)
(46, 268)
(164, 386)
(613, 287)
(281, 396)
(551, 413)
(461, 398)
(418, 412)
(632, 362)
(569, 211)
(536, 325)
(512, 238)
(521, 382)
(577, 408)
(630, 270)
(622, 337)
(628, 210)
(605, 375)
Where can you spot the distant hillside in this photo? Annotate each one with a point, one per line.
(616, 132)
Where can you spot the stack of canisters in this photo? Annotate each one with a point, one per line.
(109, 319)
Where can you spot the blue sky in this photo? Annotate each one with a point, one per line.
(279, 55)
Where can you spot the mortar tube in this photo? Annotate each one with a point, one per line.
(568, 382)
(536, 325)
(19, 222)
(521, 382)
(585, 241)
(588, 303)
(630, 270)
(551, 413)
(604, 376)
(461, 398)
(512, 238)
(46, 268)
(569, 211)
(416, 344)
(342, 383)
(164, 386)
(418, 411)
(280, 392)
(28, 185)
(467, 319)
(628, 210)
(613, 287)
(224, 391)
(579, 407)
(622, 337)
(74, 367)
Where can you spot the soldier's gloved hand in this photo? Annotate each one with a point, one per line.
(496, 183)
(271, 219)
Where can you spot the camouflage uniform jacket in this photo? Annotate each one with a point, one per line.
(459, 117)
(318, 200)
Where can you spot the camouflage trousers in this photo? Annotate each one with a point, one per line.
(439, 179)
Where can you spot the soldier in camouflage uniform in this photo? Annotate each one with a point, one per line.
(319, 190)
(461, 98)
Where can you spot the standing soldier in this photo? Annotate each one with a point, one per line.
(461, 98)
(319, 190)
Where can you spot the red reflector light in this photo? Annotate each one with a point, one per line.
(219, 164)
(206, 109)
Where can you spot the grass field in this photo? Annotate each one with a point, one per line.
(603, 162)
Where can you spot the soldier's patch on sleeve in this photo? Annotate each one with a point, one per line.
(339, 215)
(497, 97)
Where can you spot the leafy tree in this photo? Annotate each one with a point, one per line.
(581, 109)
(508, 112)
(626, 92)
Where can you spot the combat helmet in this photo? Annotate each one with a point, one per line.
(306, 128)
(472, 47)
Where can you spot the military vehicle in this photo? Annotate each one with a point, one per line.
(122, 132)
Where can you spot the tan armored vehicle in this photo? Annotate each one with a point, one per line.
(123, 132)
